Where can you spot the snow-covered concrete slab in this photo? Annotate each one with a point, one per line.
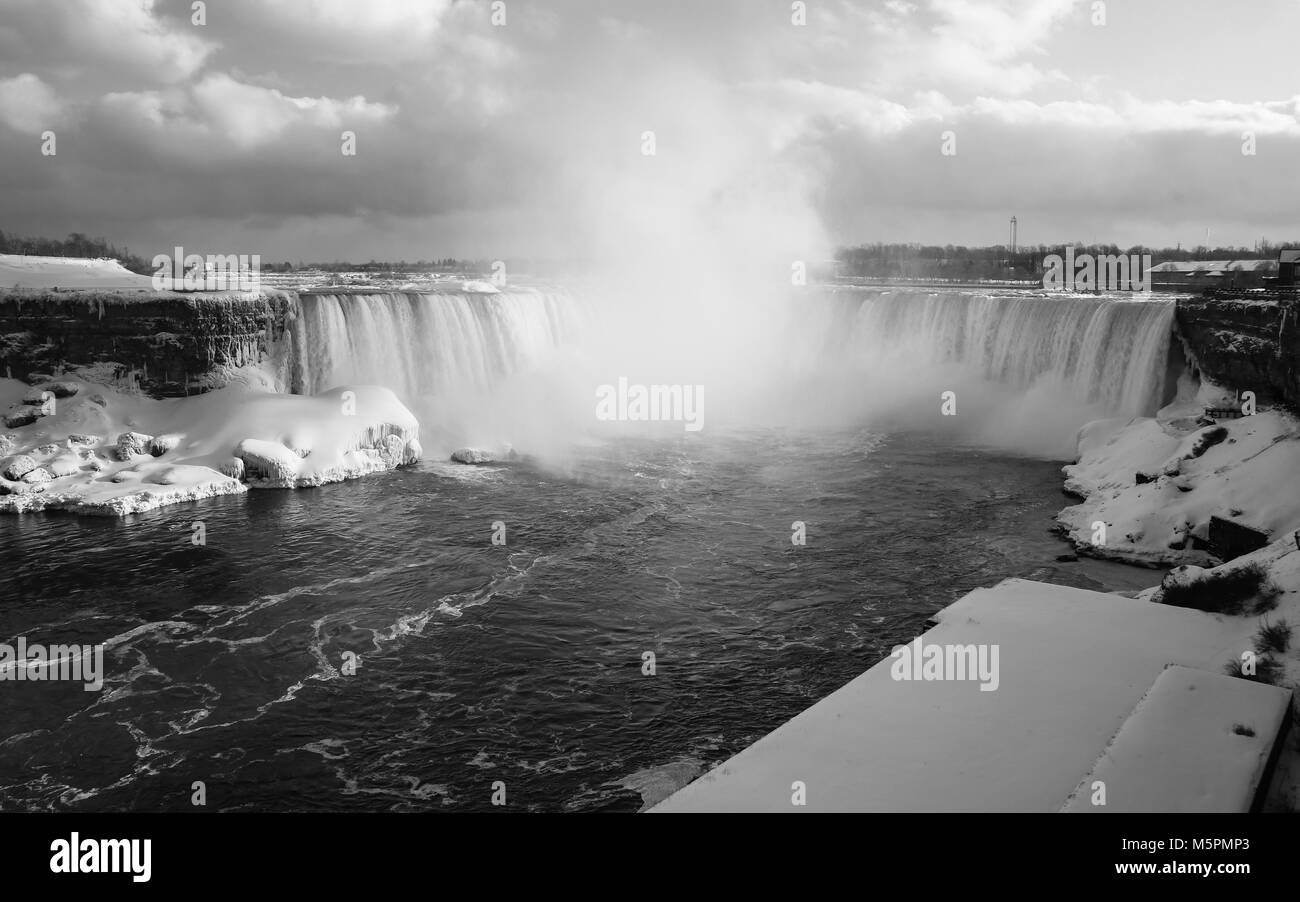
(1197, 741)
(1072, 665)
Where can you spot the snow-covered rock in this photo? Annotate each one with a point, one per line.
(37, 397)
(19, 466)
(484, 456)
(392, 449)
(1193, 447)
(1181, 576)
(472, 456)
(162, 444)
(130, 444)
(271, 461)
(234, 468)
(23, 416)
(60, 389)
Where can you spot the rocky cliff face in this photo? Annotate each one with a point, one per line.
(169, 345)
(1245, 345)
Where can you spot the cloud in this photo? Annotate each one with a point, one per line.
(28, 104)
(344, 32)
(220, 116)
(1131, 114)
(990, 47)
(770, 135)
(101, 40)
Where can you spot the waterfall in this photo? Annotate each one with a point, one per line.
(521, 366)
(422, 344)
(1104, 351)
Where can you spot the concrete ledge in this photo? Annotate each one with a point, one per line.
(1073, 666)
(1197, 742)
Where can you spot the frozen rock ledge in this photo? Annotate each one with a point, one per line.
(133, 454)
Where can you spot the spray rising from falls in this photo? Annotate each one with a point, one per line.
(1106, 352)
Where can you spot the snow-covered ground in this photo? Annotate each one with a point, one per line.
(92, 449)
(1241, 470)
(25, 273)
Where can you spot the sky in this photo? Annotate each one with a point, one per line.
(519, 129)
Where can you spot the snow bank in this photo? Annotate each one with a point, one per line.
(1156, 483)
(43, 273)
(100, 451)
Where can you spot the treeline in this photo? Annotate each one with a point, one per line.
(75, 245)
(957, 262)
(80, 245)
(377, 266)
(907, 261)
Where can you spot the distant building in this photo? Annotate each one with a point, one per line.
(1199, 275)
(1287, 263)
